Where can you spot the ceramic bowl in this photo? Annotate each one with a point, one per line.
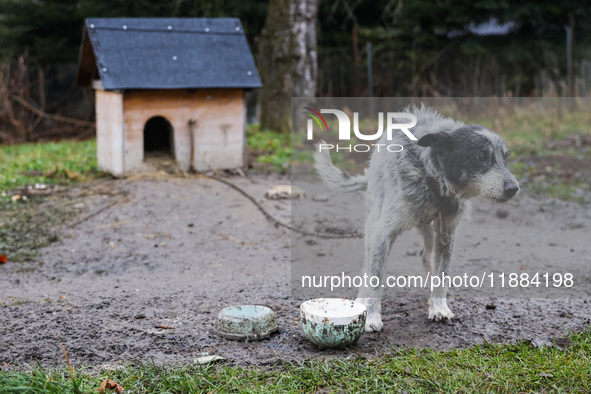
(333, 322)
(246, 322)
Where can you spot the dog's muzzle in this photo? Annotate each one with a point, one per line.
(511, 189)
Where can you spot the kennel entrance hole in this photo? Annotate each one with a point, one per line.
(158, 137)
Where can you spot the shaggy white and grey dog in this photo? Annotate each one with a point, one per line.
(427, 185)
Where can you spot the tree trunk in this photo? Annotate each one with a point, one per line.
(287, 60)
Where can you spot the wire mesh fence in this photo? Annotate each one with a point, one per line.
(451, 70)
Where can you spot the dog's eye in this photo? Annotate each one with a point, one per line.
(483, 156)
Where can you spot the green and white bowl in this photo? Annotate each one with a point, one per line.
(246, 322)
(333, 322)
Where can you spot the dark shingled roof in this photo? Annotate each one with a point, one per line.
(166, 53)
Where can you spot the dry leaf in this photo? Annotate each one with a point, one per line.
(3, 259)
(165, 327)
(109, 384)
(280, 192)
(208, 359)
(63, 296)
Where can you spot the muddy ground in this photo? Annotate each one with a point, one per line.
(173, 251)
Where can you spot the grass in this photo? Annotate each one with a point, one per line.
(63, 162)
(487, 368)
(271, 148)
(529, 134)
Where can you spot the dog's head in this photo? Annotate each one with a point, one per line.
(473, 159)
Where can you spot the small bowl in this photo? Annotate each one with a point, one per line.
(246, 322)
(333, 322)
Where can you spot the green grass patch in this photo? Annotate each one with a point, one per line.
(562, 191)
(529, 134)
(494, 368)
(63, 162)
(270, 148)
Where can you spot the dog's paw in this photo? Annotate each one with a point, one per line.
(439, 311)
(374, 323)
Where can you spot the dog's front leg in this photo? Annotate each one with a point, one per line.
(427, 251)
(444, 240)
(378, 241)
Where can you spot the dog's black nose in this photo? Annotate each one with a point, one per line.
(511, 189)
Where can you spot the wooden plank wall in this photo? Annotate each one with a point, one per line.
(219, 130)
(109, 131)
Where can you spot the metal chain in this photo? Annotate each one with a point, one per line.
(276, 222)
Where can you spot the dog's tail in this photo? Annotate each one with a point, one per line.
(335, 178)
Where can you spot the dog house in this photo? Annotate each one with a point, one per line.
(172, 86)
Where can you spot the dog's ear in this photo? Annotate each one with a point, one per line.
(438, 141)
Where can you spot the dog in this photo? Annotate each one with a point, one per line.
(427, 185)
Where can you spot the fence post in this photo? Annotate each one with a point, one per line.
(570, 64)
(369, 78)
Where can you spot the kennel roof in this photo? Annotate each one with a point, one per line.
(166, 53)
